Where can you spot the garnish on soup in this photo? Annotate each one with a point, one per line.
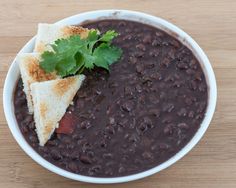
(75, 54)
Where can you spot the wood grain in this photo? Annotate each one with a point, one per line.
(212, 163)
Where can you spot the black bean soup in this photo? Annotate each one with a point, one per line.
(137, 116)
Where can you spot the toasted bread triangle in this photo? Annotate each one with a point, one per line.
(31, 72)
(49, 33)
(51, 99)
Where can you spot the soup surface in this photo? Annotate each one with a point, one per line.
(140, 114)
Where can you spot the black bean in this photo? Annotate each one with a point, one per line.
(141, 47)
(33, 138)
(71, 108)
(85, 159)
(193, 64)
(43, 149)
(146, 79)
(112, 85)
(32, 125)
(142, 127)
(164, 146)
(74, 155)
(107, 155)
(52, 143)
(191, 114)
(193, 85)
(19, 116)
(188, 101)
(28, 119)
(85, 124)
(19, 102)
(199, 116)
(75, 136)
(111, 120)
(125, 158)
(182, 112)
(171, 54)
(156, 76)
(91, 154)
(168, 107)
(109, 172)
(139, 68)
(133, 60)
(86, 146)
(167, 119)
(123, 122)
(128, 30)
(190, 71)
(147, 155)
(133, 138)
(73, 166)
(67, 139)
(202, 87)
(91, 116)
(169, 78)
(150, 65)
(154, 52)
(165, 43)
(128, 91)
(163, 95)
(55, 154)
(95, 169)
(127, 106)
(24, 129)
(156, 112)
(183, 126)
(178, 84)
(61, 146)
(138, 88)
(65, 154)
(103, 144)
(147, 39)
(148, 122)
(122, 24)
(182, 65)
(71, 146)
(110, 163)
(110, 130)
(175, 43)
(127, 37)
(156, 42)
(80, 104)
(103, 24)
(202, 106)
(121, 169)
(139, 54)
(82, 142)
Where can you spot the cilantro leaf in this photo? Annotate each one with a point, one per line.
(49, 61)
(105, 55)
(108, 36)
(73, 55)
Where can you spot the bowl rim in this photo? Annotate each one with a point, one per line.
(9, 86)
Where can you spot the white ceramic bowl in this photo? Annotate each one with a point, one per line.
(13, 76)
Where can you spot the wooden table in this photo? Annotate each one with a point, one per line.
(212, 23)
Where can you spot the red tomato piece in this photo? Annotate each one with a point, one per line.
(67, 124)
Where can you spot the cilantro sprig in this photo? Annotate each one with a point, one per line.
(73, 55)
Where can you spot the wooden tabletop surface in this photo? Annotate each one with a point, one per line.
(212, 23)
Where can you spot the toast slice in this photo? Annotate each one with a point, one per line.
(51, 99)
(30, 73)
(49, 33)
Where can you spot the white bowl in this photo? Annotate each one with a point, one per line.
(13, 76)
